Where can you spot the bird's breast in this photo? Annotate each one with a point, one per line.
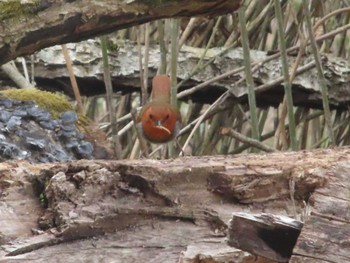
(160, 122)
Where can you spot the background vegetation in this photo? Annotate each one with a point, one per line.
(225, 126)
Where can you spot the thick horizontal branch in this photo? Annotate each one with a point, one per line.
(58, 22)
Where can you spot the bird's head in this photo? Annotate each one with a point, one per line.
(160, 122)
(160, 118)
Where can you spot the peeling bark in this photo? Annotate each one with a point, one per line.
(124, 67)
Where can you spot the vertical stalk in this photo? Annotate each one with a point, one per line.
(72, 78)
(287, 83)
(163, 51)
(175, 29)
(142, 82)
(109, 99)
(174, 56)
(248, 75)
(145, 64)
(322, 80)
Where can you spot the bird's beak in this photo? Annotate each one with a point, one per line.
(160, 126)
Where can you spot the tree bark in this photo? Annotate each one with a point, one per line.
(51, 74)
(171, 210)
(51, 22)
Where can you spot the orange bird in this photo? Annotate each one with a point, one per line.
(160, 121)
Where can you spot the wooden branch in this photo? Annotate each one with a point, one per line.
(59, 22)
(12, 72)
(240, 137)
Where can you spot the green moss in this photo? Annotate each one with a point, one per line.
(55, 103)
(14, 9)
(114, 48)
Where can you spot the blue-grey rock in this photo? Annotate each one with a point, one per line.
(69, 117)
(38, 143)
(7, 103)
(13, 123)
(85, 149)
(5, 115)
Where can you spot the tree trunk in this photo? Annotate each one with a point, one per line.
(171, 210)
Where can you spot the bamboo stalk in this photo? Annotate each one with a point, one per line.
(322, 80)
(175, 29)
(109, 98)
(287, 83)
(248, 75)
(163, 50)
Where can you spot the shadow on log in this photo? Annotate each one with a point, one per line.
(269, 236)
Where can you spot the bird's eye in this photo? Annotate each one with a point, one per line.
(167, 117)
(151, 116)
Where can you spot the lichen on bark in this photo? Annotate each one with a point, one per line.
(14, 9)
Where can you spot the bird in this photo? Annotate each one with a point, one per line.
(159, 121)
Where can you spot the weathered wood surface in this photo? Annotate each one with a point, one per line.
(266, 235)
(326, 234)
(49, 23)
(51, 73)
(160, 211)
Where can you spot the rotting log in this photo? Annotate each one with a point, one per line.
(170, 210)
(49, 23)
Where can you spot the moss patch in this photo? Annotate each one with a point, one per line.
(55, 103)
(14, 9)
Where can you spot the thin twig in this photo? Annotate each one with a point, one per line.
(143, 143)
(325, 18)
(202, 117)
(72, 78)
(189, 28)
(251, 142)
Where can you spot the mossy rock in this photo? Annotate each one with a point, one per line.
(55, 103)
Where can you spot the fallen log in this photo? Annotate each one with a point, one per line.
(170, 210)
